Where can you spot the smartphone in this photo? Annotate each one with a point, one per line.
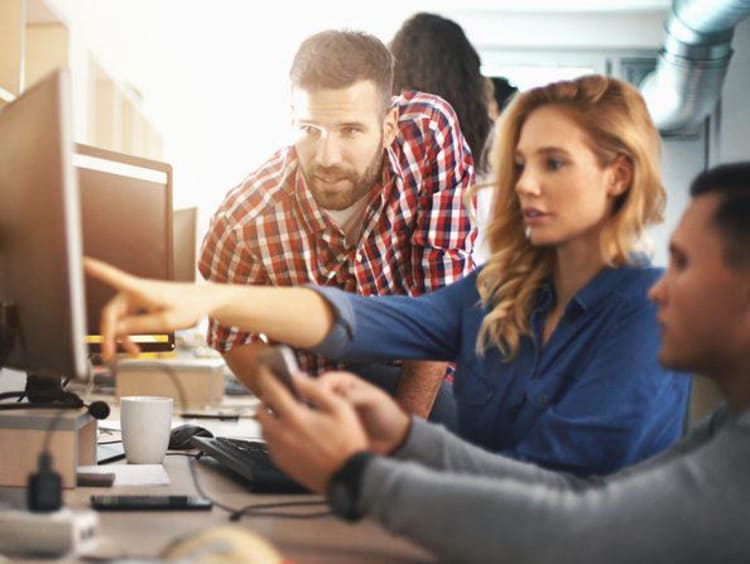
(283, 364)
(149, 503)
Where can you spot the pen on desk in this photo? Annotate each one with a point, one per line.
(218, 416)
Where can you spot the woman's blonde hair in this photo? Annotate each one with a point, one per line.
(617, 123)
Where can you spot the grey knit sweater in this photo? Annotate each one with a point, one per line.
(689, 504)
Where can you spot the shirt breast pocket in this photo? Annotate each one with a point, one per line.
(471, 387)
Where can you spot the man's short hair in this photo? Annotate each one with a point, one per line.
(732, 216)
(337, 59)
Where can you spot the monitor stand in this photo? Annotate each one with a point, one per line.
(40, 388)
(45, 389)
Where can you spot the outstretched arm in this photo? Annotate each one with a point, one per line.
(297, 316)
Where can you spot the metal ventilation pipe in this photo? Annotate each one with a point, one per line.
(684, 88)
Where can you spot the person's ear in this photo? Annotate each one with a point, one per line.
(390, 126)
(621, 176)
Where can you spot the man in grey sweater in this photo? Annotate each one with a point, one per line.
(689, 504)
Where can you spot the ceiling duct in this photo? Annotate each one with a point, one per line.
(684, 88)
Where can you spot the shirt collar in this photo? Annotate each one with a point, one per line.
(600, 287)
(545, 297)
(392, 162)
(595, 291)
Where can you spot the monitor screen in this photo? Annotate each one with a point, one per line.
(184, 243)
(41, 276)
(126, 211)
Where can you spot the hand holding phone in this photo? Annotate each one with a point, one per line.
(282, 363)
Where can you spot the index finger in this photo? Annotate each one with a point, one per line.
(110, 314)
(107, 273)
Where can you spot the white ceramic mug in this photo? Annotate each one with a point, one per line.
(146, 422)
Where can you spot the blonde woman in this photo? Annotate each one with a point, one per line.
(554, 338)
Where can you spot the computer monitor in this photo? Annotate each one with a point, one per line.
(41, 276)
(126, 210)
(185, 234)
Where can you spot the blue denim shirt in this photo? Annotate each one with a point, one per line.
(594, 399)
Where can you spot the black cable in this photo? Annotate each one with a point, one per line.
(19, 395)
(259, 510)
(44, 492)
(66, 400)
(253, 509)
(199, 488)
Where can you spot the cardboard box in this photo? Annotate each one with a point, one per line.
(192, 382)
(22, 436)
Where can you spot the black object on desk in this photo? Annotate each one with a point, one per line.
(250, 460)
(180, 437)
(149, 503)
(94, 480)
(217, 416)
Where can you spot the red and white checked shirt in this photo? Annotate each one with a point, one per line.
(417, 234)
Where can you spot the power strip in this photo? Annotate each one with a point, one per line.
(46, 534)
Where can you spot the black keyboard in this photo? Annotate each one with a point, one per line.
(249, 459)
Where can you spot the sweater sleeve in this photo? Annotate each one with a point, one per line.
(371, 328)
(687, 505)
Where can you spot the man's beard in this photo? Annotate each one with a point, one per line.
(349, 189)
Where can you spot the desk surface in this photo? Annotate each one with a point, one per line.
(145, 534)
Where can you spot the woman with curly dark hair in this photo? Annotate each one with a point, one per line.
(433, 55)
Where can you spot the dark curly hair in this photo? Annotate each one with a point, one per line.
(433, 55)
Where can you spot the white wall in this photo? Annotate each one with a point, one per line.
(213, 74)
(734, 143)
(726, 142)
(537, 30)
(682, 159)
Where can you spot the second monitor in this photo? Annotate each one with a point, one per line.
(126, 209)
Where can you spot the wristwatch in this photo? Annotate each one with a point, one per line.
(345, 485)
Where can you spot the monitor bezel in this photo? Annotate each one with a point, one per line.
(162, 167)
(73, 363)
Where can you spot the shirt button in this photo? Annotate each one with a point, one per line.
(358, 257)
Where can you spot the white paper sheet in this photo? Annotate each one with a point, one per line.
(131, 474)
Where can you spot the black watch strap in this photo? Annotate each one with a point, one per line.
(345, 485)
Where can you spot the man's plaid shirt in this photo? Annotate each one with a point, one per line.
(417, 233)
